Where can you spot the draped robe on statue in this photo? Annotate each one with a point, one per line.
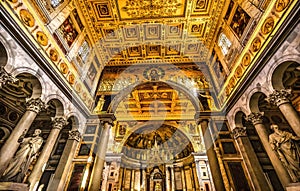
(19, 165)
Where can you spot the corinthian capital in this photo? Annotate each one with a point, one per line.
(279, 97)
(58, 122)
(6, 77)
(74, 135)
(239, 132)
(35, 104)
(255, 118)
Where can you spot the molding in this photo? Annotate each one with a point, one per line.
(11, 27)
(288, 25)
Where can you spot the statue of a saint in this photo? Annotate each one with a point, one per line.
(100, 104)
(19, 165)
(210, 101)
(286, 146)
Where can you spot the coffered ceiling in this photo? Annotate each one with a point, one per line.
(155, 101)
(152, 31)
(132, 42)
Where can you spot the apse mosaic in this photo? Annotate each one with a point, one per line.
(189, 76)
(163, 143)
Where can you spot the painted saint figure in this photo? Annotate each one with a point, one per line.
(287, 148)
(19, 165)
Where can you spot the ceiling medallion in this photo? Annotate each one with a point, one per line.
(151, 8)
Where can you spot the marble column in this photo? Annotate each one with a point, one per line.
(6, 77)
(60, 176)
(281, 100)
(33, 107)
(183, 178)
(96, 176)
(172, 178)
(132, 179)
(254, 168)
(57, 124)
(198, 173)
(144, 188)
(222, 169)
(197, 186)
(121, 174)
(167, 178)
(256, 119)
(211, 155)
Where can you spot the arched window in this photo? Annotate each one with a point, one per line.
(224, 43)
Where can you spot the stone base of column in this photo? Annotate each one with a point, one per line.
(14, 186)
(293, 187)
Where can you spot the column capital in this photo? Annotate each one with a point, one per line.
(255, 118)
(107, 118)
(74, 135)
(35, 104)
(6, 77)
(200, 120)
(239, 132)
(279, 97)
(58, 122)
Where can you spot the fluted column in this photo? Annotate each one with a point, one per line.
(5, 77)
(256, 119)
(222, 169)
(60, 176)
(281, 100)
(255, 171)
(33, 107)
(211, 155)
(99, 160)
(57, 124)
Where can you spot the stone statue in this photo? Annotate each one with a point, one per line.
(286, 146)
(19, 165)
(210, 101)
(100, 105)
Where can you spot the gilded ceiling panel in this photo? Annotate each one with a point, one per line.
(148, 31)
(136, 9)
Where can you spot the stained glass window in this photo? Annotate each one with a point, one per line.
(224, 43)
